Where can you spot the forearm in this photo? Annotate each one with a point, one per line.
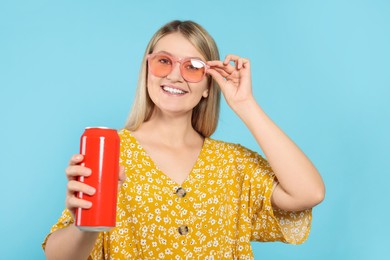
(70, 243)
(299, 181)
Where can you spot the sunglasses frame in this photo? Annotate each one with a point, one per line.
(177, 60)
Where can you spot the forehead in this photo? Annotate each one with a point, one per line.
(177, 45)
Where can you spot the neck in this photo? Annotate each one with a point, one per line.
(171, 130)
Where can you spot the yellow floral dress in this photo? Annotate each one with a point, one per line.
(224, 203)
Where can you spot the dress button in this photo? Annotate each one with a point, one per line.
(180, 192)
(183, 230)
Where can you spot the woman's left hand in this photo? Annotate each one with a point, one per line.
(234, 80)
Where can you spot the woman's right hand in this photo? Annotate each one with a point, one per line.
(73, 172)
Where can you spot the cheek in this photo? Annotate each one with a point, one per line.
(152, 87)
(152, 82)
(202, 85)
(205, 88)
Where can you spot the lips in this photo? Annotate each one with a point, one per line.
(173, 90)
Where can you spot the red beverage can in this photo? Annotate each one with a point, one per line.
(100, 148)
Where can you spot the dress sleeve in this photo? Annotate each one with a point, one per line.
(66, 220)
(270, 224)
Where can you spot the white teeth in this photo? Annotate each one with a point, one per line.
(173, 90)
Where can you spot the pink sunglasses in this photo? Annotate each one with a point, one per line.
(192, 69)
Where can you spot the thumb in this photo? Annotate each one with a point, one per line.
(217, 77)
(122, 175)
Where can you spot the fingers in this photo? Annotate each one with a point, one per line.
(72, 172)
(217, 77)
(72, 203)
(122, 174)
(220, 65)
(75, 170)
(239, 63)
(222, 72)
(76, 159)
(75, 187)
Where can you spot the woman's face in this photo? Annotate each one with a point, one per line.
(172, 93)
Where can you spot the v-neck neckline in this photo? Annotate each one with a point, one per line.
(155, 166)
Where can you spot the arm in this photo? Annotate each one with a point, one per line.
(300, 184)
(70, 243)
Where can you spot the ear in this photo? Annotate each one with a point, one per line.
(205, 93)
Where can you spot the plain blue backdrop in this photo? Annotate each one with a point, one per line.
(321, 70)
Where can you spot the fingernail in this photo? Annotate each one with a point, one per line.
(92, 191)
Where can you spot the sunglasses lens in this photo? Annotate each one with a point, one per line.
(160, 65)
(193, 70)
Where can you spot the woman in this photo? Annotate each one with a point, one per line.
(182, 194)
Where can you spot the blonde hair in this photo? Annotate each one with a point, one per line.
(204, 115)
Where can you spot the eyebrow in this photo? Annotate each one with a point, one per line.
(170, 54)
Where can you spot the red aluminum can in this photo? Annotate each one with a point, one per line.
(100, 147)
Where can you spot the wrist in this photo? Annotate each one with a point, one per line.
(245, 107)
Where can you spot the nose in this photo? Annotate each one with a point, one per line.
(175, 74)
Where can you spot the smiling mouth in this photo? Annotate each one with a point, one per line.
(174, 91)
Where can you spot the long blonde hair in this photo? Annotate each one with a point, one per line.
(205, 115)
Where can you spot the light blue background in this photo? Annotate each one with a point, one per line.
(320, 70)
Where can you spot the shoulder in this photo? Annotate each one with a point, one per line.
(125, 136)
(123, 133)
(128, 142)
(237, 156)
(231, 149)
